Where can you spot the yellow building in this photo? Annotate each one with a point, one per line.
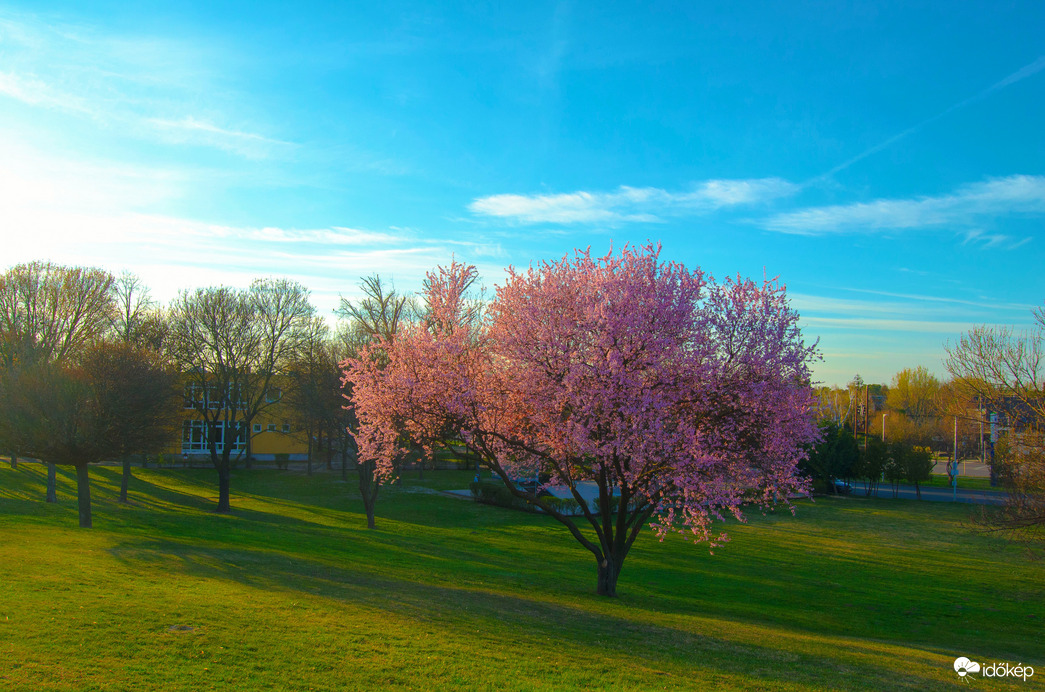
(271, 432)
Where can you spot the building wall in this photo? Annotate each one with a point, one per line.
(271, 433)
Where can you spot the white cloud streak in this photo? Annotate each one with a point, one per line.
(1019, 75)
(631, 204)
(884, 325)
(193, 131)
(126, 84)
(98, 214)
(34, 92)
(1017, 194)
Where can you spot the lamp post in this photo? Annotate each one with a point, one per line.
(884, 414)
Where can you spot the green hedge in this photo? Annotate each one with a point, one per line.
(493, 492)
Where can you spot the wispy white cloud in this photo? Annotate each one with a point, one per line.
(895, 312)
(128, 84)
(982, 238)
(631, 204)
(193, 131)
(102, 214)
(574, 207)
(809, 304)
(1017, 194)
(335, 236)
(1019, 75)
(35, 92)
(979, 304)
(885, 325)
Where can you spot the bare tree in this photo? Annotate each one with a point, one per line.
(133, 303)
(49, 314)
(230, 344)
(375, 318)
(312, 386)
(915, 392)
(1003, 369)
(136, 393)
(52, 414)
(378, 314)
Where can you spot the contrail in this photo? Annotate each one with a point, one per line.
(1017, 76)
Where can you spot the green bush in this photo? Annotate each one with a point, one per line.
(563, 505)
(493, 492)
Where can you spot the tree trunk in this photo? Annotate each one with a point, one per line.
(83, 496)
(368, 488)
(328, 450)
(608, 572)
(125, 480)
(224, 486)
(14, 461)
(52, 483)
(311, 445)
(369, 506)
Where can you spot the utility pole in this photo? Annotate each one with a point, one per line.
(983, 446)
(866, 413)
(954, 474)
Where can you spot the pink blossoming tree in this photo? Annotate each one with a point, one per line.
(678, 398)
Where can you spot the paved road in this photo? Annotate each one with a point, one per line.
(907, 492)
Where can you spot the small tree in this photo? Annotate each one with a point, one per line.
(372, 324)
(918, 467)
(872, 464)
(314, 386)
(677, 400)
(48, 315)
(54, 414)
(136, 393)
(915, 392)
(1003, 370)
(835, 455)
(229, 345)
(895, 471)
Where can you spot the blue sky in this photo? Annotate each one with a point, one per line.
(885, 160)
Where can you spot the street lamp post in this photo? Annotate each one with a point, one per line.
(884, 414)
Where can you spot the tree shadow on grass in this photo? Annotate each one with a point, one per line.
(774, 655)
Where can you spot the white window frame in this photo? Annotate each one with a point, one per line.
(194, 439)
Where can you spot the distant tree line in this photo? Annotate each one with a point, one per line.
(993, 405)
(673, 397)
(92, 368)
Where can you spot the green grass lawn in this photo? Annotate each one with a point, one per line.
(940, 480)
(292, 592)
